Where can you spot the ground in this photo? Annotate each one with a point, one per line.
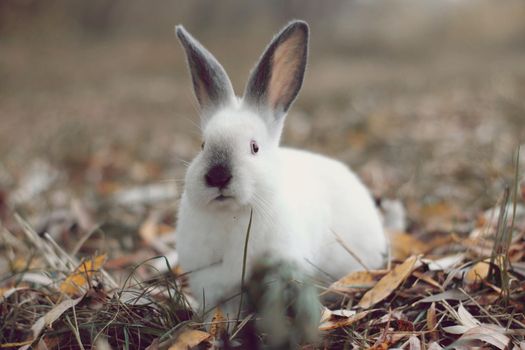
(96, 126)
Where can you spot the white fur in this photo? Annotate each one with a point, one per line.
(300, 200)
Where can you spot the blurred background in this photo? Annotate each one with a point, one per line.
(425, 99)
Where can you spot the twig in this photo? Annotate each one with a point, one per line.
(343, 244)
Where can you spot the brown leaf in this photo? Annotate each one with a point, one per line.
(332, 319)
(432, 321)
(404, 245)
(388, 283)
(355, 280)
(476, 274)
(75, 282)
(218, 324)
(438, 215)
(189, 339)
(427, 279)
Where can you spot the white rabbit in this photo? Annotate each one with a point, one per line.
(301, 201)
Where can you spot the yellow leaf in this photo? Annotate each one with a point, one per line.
(189, 339)
(477, 273)
(355, 280)
(218, 324)
(388, 283)
(75, 282)
(405, 245)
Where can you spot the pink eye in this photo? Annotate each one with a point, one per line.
(254, 146)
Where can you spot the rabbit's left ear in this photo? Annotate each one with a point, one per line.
(210, 82)
(277, 78)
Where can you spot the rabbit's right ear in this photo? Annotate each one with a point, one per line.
(212, 86)
(277, 78)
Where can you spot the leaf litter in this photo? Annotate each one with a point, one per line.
(103, 270)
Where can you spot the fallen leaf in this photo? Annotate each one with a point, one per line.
(152, 228)
(476, 274)
(388, 283)
(432, 321)
(354, 281)
(47, 343)
(414, 343)
(435, 346)
(427, 279)
(218, 324)
(189, 339)
(466, 317)
(452, 294)
(521, 345)
(75, 282)
(333, 320)
(485, 333)
(404, 245)
(445, 263)
(439, 215)
(49, 318)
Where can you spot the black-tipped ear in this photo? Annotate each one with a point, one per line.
(210, 82)
(277, 78)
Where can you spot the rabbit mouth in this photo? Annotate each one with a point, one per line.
(222, 198)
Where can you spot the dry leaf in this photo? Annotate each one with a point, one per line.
(152, 228)
(438, 215)
(354, 281)
(404, 245)
(477, 273)
(47, 343)
(189, 339)
(388, 283)
(427, 279)
(486, 333)
(414, 343)
(466, 320)
(432, 321)
(218, 324)
(445, 263)
(331, 320)
(75, 282)
(435, 346)
(50, 317)
(451, 294)
(521, 345)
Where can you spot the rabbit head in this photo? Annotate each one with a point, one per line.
(238, 161)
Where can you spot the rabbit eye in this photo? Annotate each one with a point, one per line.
(202, 145)
(254, 146)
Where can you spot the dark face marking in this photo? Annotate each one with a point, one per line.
(219, 173)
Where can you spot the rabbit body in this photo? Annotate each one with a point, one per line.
(300, 201)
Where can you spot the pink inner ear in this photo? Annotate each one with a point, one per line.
(285, 63)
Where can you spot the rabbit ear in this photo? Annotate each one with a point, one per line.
(276, 79)
(210, 82)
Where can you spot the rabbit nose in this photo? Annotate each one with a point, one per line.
(218, 176)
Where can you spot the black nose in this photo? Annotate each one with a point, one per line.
(218, 176)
